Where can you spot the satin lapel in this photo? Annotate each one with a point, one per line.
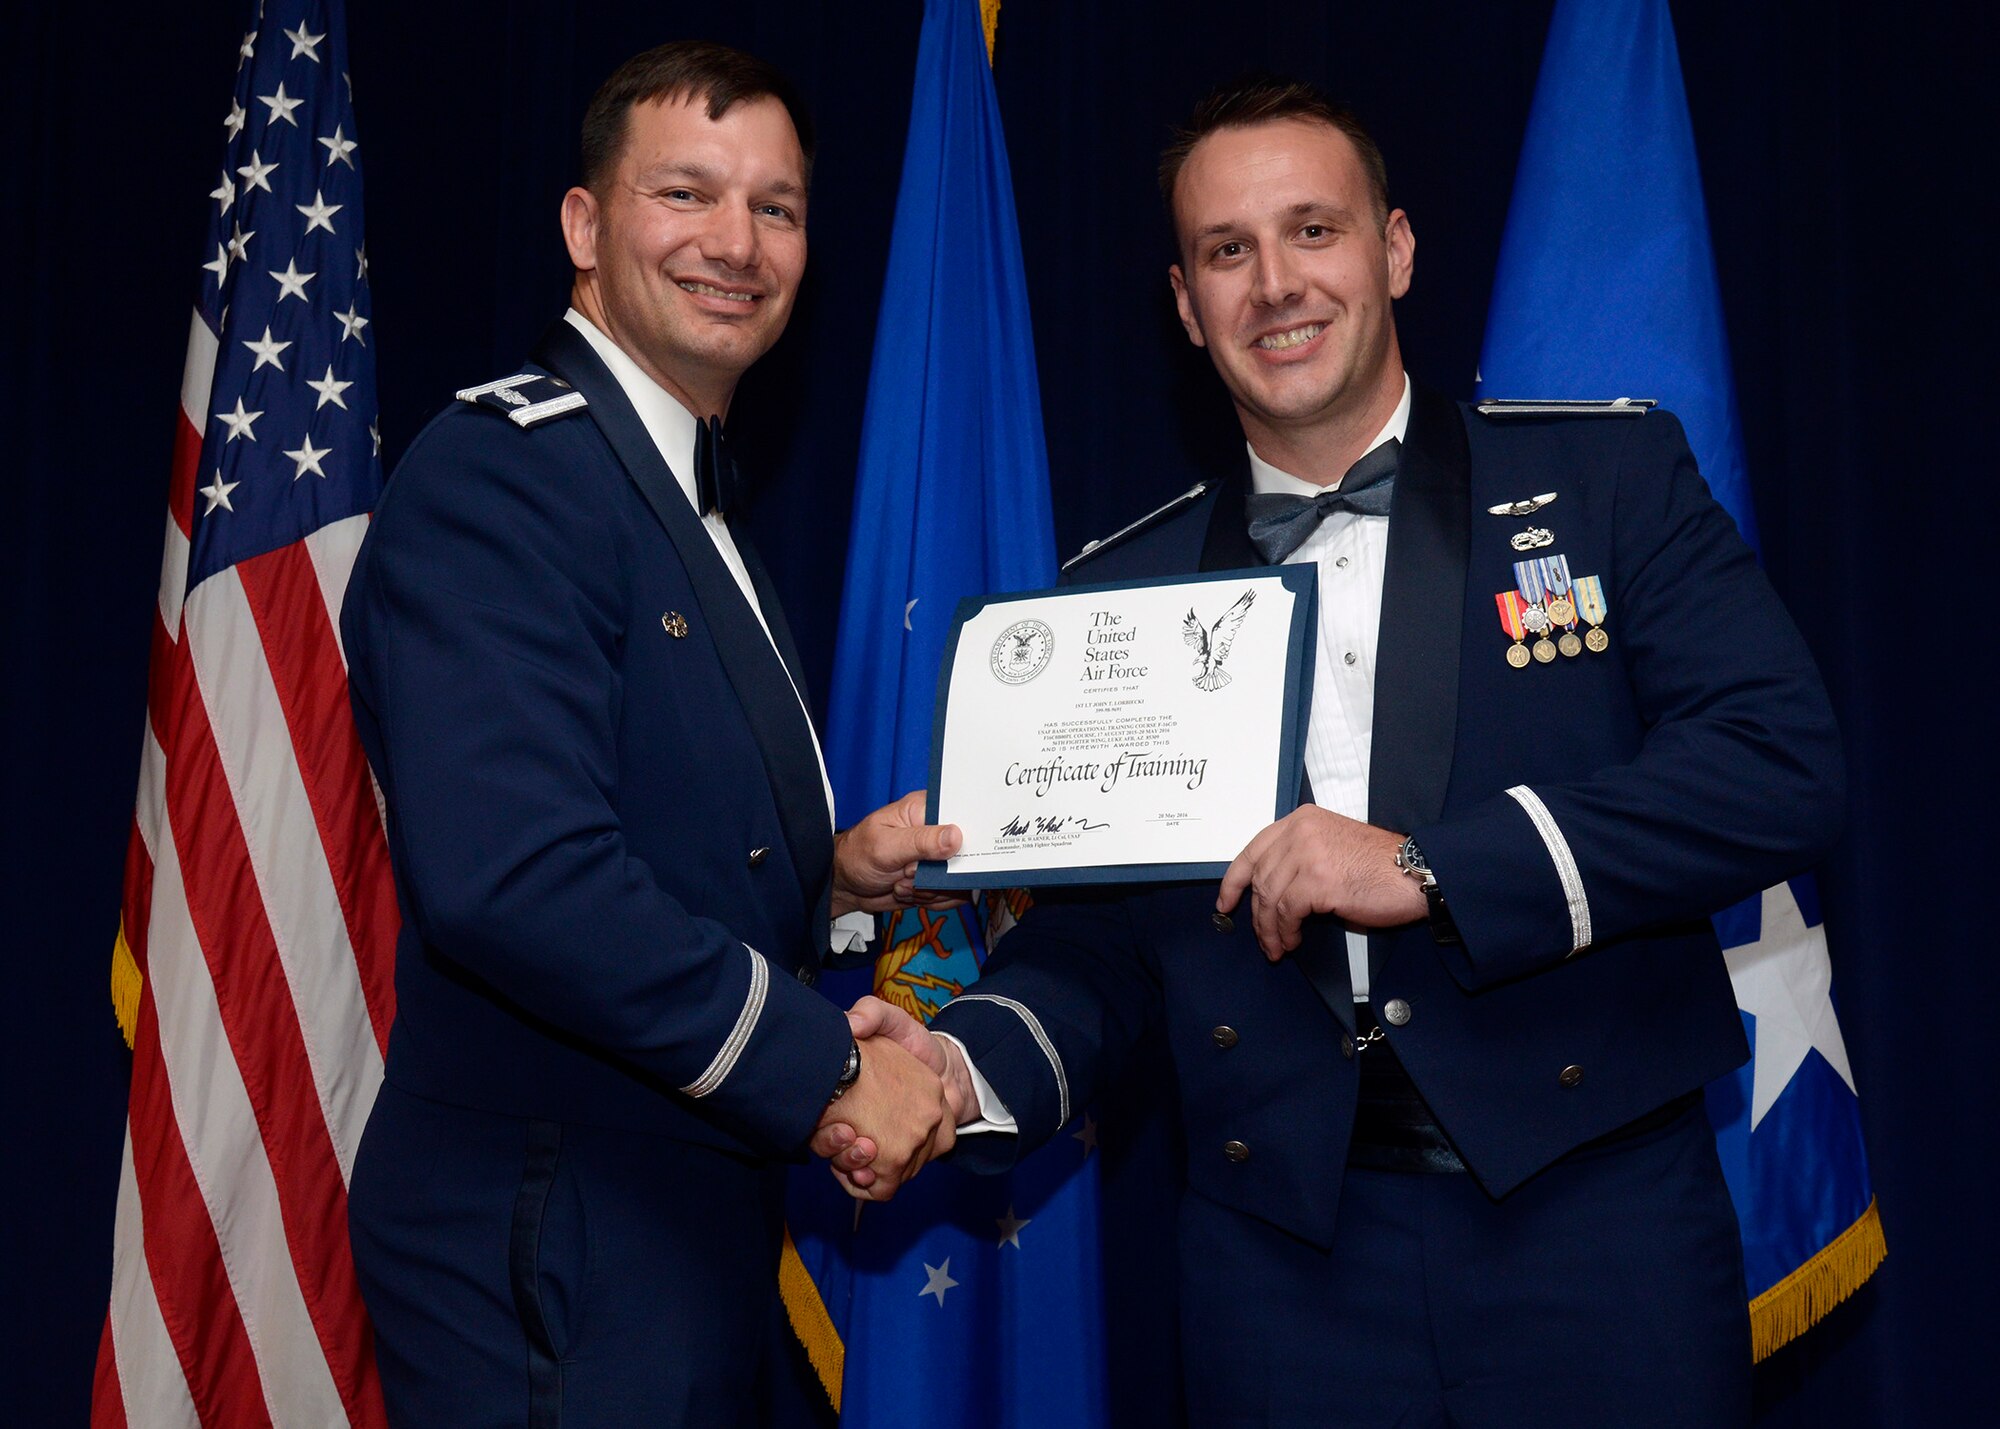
(1227, 546)
(1423, 613)
(770, 707)
(774, 616)
(1322, 953)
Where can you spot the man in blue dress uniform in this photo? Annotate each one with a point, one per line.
(611, 828)
(1440, 1035)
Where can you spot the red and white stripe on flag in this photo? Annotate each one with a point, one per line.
(253, 968)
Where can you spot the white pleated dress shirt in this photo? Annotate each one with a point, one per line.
(1351, 552)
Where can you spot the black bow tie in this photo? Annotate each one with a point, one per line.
(1280, 524)
(718, 486)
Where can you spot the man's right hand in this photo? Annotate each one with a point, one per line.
(894, 1119)
(851, 1151)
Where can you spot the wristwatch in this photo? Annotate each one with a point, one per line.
(1410, 861)
(850, 1072)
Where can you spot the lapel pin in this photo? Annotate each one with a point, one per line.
(675, 624)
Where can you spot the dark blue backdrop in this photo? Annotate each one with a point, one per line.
(1843, 153)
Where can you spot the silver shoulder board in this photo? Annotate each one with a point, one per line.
(526, 397)
(1563, 407)
(1095, 548)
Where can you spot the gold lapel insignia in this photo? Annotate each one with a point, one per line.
(675, 624)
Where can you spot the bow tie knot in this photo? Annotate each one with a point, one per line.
(1280, 524)
(718, 486)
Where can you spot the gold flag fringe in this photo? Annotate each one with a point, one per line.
(989, 21)
(126, 982)
(810, 1321)
(1799, 1301)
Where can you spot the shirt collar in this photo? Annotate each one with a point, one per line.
(667, 422)
(1265, 477)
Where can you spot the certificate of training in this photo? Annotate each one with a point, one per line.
(1119, 733)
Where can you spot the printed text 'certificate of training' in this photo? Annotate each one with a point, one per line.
(1107, 734)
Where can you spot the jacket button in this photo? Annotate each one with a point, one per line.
(807, 974)
(1570, 1075)
(758, 855)
(1221, 922)
(1347, 1046)
(1236, 1151)
(1223, 1037)
(1396, 1012)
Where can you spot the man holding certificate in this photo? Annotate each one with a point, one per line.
(1440, 1034)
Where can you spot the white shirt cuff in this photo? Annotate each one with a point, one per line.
(993, 1113)
(851, 932)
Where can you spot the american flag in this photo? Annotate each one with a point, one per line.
(252, 971)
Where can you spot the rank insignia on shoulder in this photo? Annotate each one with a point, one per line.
(526, 397)
(1153, 517)
(1564, 407)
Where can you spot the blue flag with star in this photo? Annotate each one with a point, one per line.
(968, 1300)
(1606, 287)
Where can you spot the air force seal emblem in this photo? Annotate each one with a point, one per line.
(1022, 652)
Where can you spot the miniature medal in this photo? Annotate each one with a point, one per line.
(1562, 610)
(1590, 605)
(1555, 571)
(1532, 578)
(1510, 621)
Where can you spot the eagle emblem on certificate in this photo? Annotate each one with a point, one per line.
(1210, 643)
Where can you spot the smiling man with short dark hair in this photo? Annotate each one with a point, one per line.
(1441, 1033)
(610, 823)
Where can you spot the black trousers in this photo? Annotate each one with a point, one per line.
(544, 1274)
(1606, 1293)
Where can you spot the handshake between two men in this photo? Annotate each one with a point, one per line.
(914, 1088)
(905, 1103)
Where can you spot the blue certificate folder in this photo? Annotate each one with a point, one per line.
(1299, 580)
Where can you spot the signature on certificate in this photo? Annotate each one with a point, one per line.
(1021, 824)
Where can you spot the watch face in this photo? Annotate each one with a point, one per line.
(1410, 859)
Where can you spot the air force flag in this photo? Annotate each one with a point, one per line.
(969, 1300)
(1606, 288)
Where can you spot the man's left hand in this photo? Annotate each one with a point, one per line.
(875, 862)
(1316, 861)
